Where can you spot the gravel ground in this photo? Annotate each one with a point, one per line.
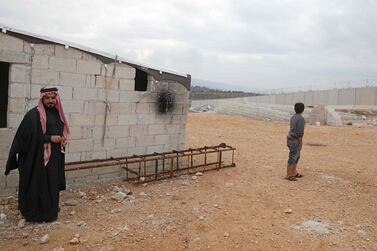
(249, 207)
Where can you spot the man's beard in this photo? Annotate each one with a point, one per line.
(50, 106)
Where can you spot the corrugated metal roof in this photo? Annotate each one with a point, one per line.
(157, 72)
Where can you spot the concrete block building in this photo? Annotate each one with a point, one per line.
(110, 102)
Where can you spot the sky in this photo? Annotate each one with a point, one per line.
(256, 44)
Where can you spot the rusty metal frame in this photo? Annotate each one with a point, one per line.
(166, 164)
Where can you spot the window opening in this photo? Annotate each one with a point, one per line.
(4, 85)
(141, 80)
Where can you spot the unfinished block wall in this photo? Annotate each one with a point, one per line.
(107, 117)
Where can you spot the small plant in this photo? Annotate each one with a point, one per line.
(165, 100)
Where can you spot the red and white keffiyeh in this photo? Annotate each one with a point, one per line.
(42, 112)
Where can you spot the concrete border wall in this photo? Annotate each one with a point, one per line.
(347, 96)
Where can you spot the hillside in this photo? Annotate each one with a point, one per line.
(200, 92)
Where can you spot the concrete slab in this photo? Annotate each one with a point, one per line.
(366, 96)
(347, 96)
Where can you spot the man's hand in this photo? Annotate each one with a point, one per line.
(56, 139)
(300, 140)
(64, 142)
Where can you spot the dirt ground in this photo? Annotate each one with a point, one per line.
(249, 207)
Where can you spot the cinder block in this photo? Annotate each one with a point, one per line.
(108, 95)
(124, 143)
(118, 131)
(161, 139)
(127, 119)
(169, 148)
(14, 120)
(72, 157)
(117, 153)
(65, 92)
(138, 130)
(88, 57)
(44, 49)
(164, 118)
(174, 139)
(178, 109)
(127, 84)
(173, 129)
(100, 107)
(177, 88)
(153, 149)
(84, 156)
(136, 150)
(179, 119)
(46, 77)
(109, 176)
(14, 57)
(80, 145)
(123, 108)
(88, 67)
(12, 179)
(72, 79)
(156, 129)
(65, 64)
(111, 119)
(8, 42)
(78, 173)
(18, 90)
(90, 107)
(144, 140)
(62, 52)
(98, 132)
(107, 82)
(19, 73)
(146, 119)
(9, 191)
(84, 93)
(73, 106)
(99, 155)
(40, 62)
(6, 141)
(105, 144)
(87, 131)
(125, 71)
(142, 108)
(121, 70)
(130, 97)
(106, 169)
(79, 119)
(90, 81)
(75, 132)
(16, 105)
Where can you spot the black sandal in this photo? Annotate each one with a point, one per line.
(298, 175)
(291, 178)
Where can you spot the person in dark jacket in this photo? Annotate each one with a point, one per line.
(38, 153)
(294, 142)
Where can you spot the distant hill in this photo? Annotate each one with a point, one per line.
(201, 92)
(219, 86)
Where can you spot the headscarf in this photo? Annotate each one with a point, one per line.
(42, 112)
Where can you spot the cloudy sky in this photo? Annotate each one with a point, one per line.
(260, 44)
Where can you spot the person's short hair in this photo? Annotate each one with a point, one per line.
(299, 107)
